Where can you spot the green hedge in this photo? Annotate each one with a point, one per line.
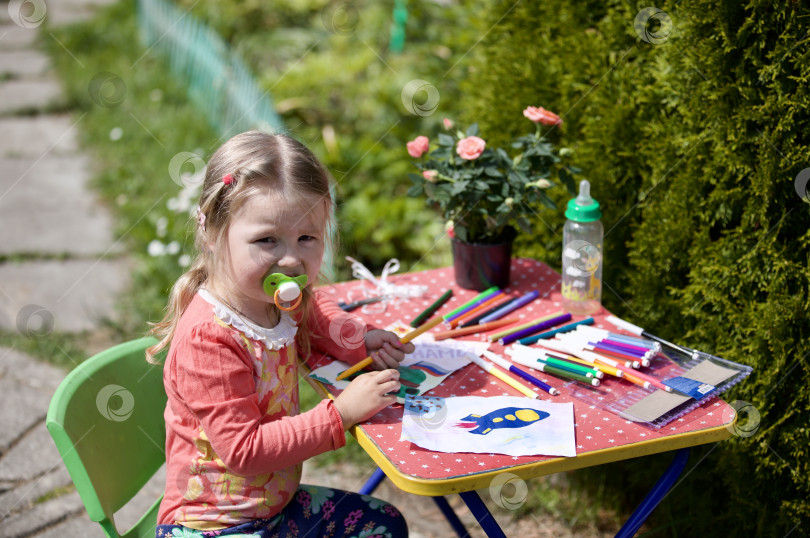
(693, 146)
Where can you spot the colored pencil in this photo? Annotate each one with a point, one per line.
(420, 319)
(644, 351)
(637, 381)
(477, 318)
(619, 356)
(651, 380)
(533, 355)
(404, 340)
(576, 342)
(605, 344)
(571, 366)
(635, 329)
(477, 309)
(475, 328)
(548, 334)
(495, 337)
(450, 317)
(471, 301)
(599, 370)
(606, 365)
(503, 363)
(491, 369)
(508, 339)
(634, 340)
(512, 306)
(559, 372)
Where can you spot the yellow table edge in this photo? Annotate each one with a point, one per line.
(445, 486)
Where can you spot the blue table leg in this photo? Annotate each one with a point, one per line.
(481, 513)
(371, 484)
(451, 517)
(655, 495)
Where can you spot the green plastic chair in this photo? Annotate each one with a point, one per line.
(106, 419)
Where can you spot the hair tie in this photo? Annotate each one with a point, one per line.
(227, 179)
(200, 218)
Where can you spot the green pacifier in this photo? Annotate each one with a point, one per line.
(285, 289)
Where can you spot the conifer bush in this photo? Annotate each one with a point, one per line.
(693, 128)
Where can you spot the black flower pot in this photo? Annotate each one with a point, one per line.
(479, 266)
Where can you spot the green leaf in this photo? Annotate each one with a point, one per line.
(472, 130)
(416, 178)
(567, 180)
(459, 187)
(492, 171)
(546, 201)
(415, 190)
(460, 232)
(525, 225)
(446, 140)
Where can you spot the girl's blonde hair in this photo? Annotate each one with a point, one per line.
(253, 160)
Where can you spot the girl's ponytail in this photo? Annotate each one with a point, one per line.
(181, 295)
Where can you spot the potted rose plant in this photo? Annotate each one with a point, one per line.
(484, 192)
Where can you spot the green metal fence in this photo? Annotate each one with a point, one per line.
(217, 79)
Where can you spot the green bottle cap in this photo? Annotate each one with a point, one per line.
(583, 208)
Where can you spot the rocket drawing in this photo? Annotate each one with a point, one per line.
(507, 417)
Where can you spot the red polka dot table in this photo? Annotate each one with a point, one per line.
(601, 436)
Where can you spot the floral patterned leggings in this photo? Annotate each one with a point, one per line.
(314, 512)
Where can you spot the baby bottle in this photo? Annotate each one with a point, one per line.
(582, 254)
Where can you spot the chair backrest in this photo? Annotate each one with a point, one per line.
(106, 419)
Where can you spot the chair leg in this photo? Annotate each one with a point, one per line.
(656, 494)
(371, 484)
(481, 513)
(451, 517)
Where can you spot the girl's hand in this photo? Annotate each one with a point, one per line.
(385, 349)
(366, 395)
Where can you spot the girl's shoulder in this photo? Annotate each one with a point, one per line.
(198, 319)
(205, 309)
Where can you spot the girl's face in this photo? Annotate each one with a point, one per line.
(268, 234)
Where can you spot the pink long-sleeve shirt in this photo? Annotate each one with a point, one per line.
(235, 437)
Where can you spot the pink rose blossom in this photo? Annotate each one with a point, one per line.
(448, 123)
(541, 115)
(470, 148)
(418, 146)
(430, 175)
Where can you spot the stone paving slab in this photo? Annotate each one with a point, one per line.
(78, 526)
(46, 513)
(27, 386)
(25, 370)
(24, 95)
(17, 464)
(13, 37)
(22, 409)
(24, 63)
(70, 296)
(24, 497)
(45, 208)
(69, 11)
(35, 136)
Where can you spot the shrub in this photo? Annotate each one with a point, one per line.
(340, 90)
(693, 146)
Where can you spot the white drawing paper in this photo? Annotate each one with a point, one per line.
(420, 371)
(500, 424)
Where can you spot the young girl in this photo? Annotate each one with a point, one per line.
(235, 439)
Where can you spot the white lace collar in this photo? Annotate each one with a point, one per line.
(274, 338)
